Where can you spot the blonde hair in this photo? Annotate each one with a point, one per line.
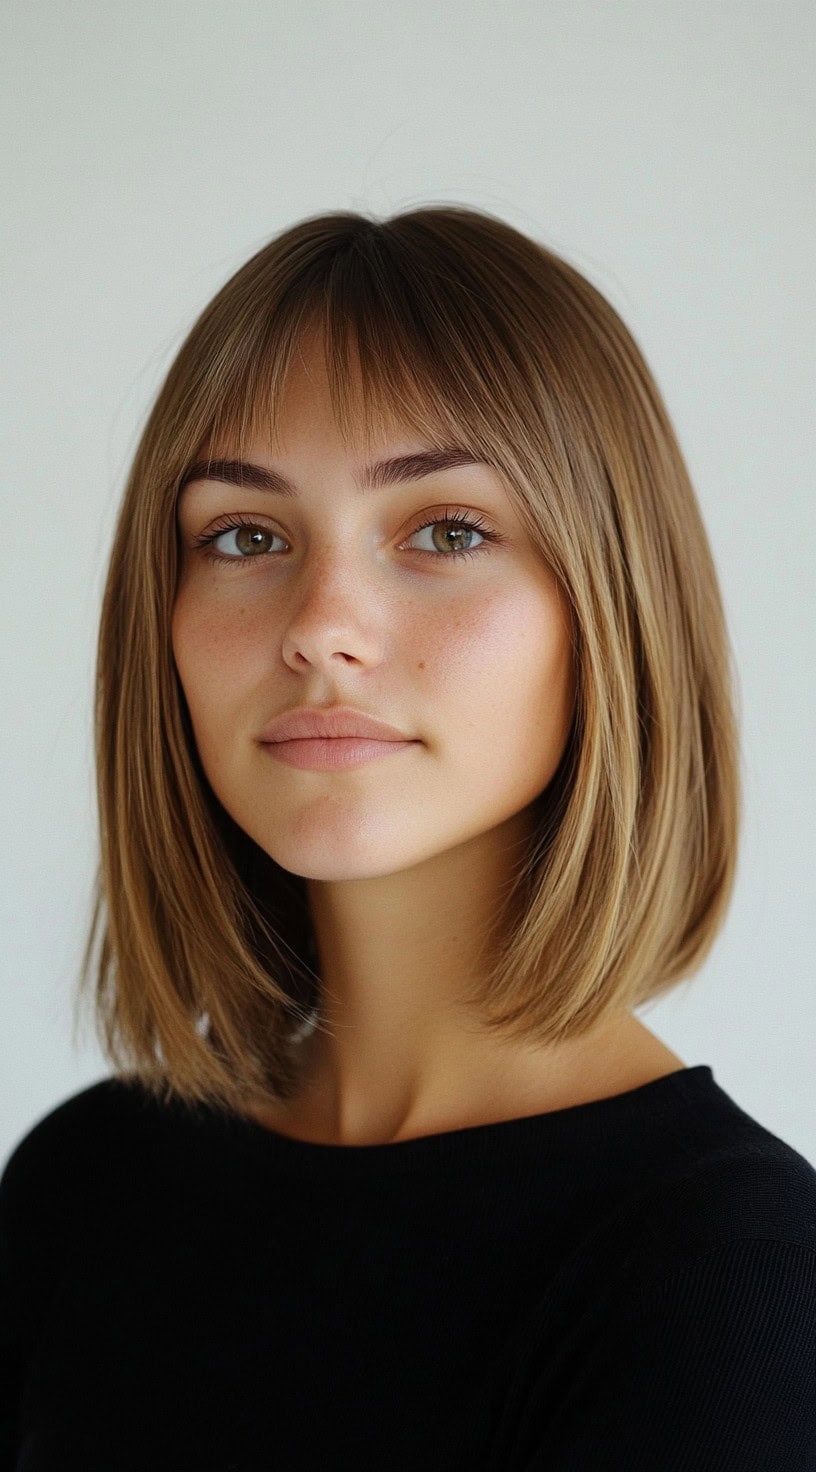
(465, 329)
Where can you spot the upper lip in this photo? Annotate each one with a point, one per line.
(327, 721)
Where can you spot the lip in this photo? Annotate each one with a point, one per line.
(325, 754)
(329, 722)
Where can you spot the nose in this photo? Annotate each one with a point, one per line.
(331, 618)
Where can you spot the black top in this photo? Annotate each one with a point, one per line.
(624, 1284)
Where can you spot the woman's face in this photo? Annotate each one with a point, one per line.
(334, 595)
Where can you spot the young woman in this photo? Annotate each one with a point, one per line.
(418, 773)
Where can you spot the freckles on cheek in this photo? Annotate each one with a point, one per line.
(498, 633)
(208, 639)
(449, 633)
(511, 628)
(444, 649)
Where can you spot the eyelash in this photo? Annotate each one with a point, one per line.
(472, 523)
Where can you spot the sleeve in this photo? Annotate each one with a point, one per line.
(714, 1371)
(11, 1352)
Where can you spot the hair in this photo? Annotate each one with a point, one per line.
(463, 328)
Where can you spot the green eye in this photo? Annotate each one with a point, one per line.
(462, 523)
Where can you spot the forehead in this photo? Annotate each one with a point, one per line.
(318, 411)
(313, 415)
(321, 390)
(312, 395)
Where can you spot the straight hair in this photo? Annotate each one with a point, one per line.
(450, 321)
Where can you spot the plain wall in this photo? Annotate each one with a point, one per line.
(665, 147)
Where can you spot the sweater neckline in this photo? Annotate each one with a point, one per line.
(576, 1127)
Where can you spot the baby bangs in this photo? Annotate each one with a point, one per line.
(451, 322)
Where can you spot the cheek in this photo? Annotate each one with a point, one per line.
(504, 668)
(518, 639)
(214, 657)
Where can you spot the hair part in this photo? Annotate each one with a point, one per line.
(449, 321)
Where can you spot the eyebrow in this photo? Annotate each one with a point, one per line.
(373, 477)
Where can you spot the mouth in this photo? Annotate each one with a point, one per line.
(330, 753)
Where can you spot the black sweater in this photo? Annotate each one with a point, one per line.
(626, 1284)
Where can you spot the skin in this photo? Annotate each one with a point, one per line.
(404, 858)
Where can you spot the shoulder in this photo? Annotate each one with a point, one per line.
(93, 1109)
(56, 1187)
(727, 1182)
(697, 1345)
(712, 1347)
(708, 1363)
(72, 1149)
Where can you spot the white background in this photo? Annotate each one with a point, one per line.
(665, 147)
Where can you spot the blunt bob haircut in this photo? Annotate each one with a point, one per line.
(449, 321)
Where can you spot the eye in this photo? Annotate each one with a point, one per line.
(251, 536)
(459, 527)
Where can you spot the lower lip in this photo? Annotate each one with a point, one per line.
(327, 754)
